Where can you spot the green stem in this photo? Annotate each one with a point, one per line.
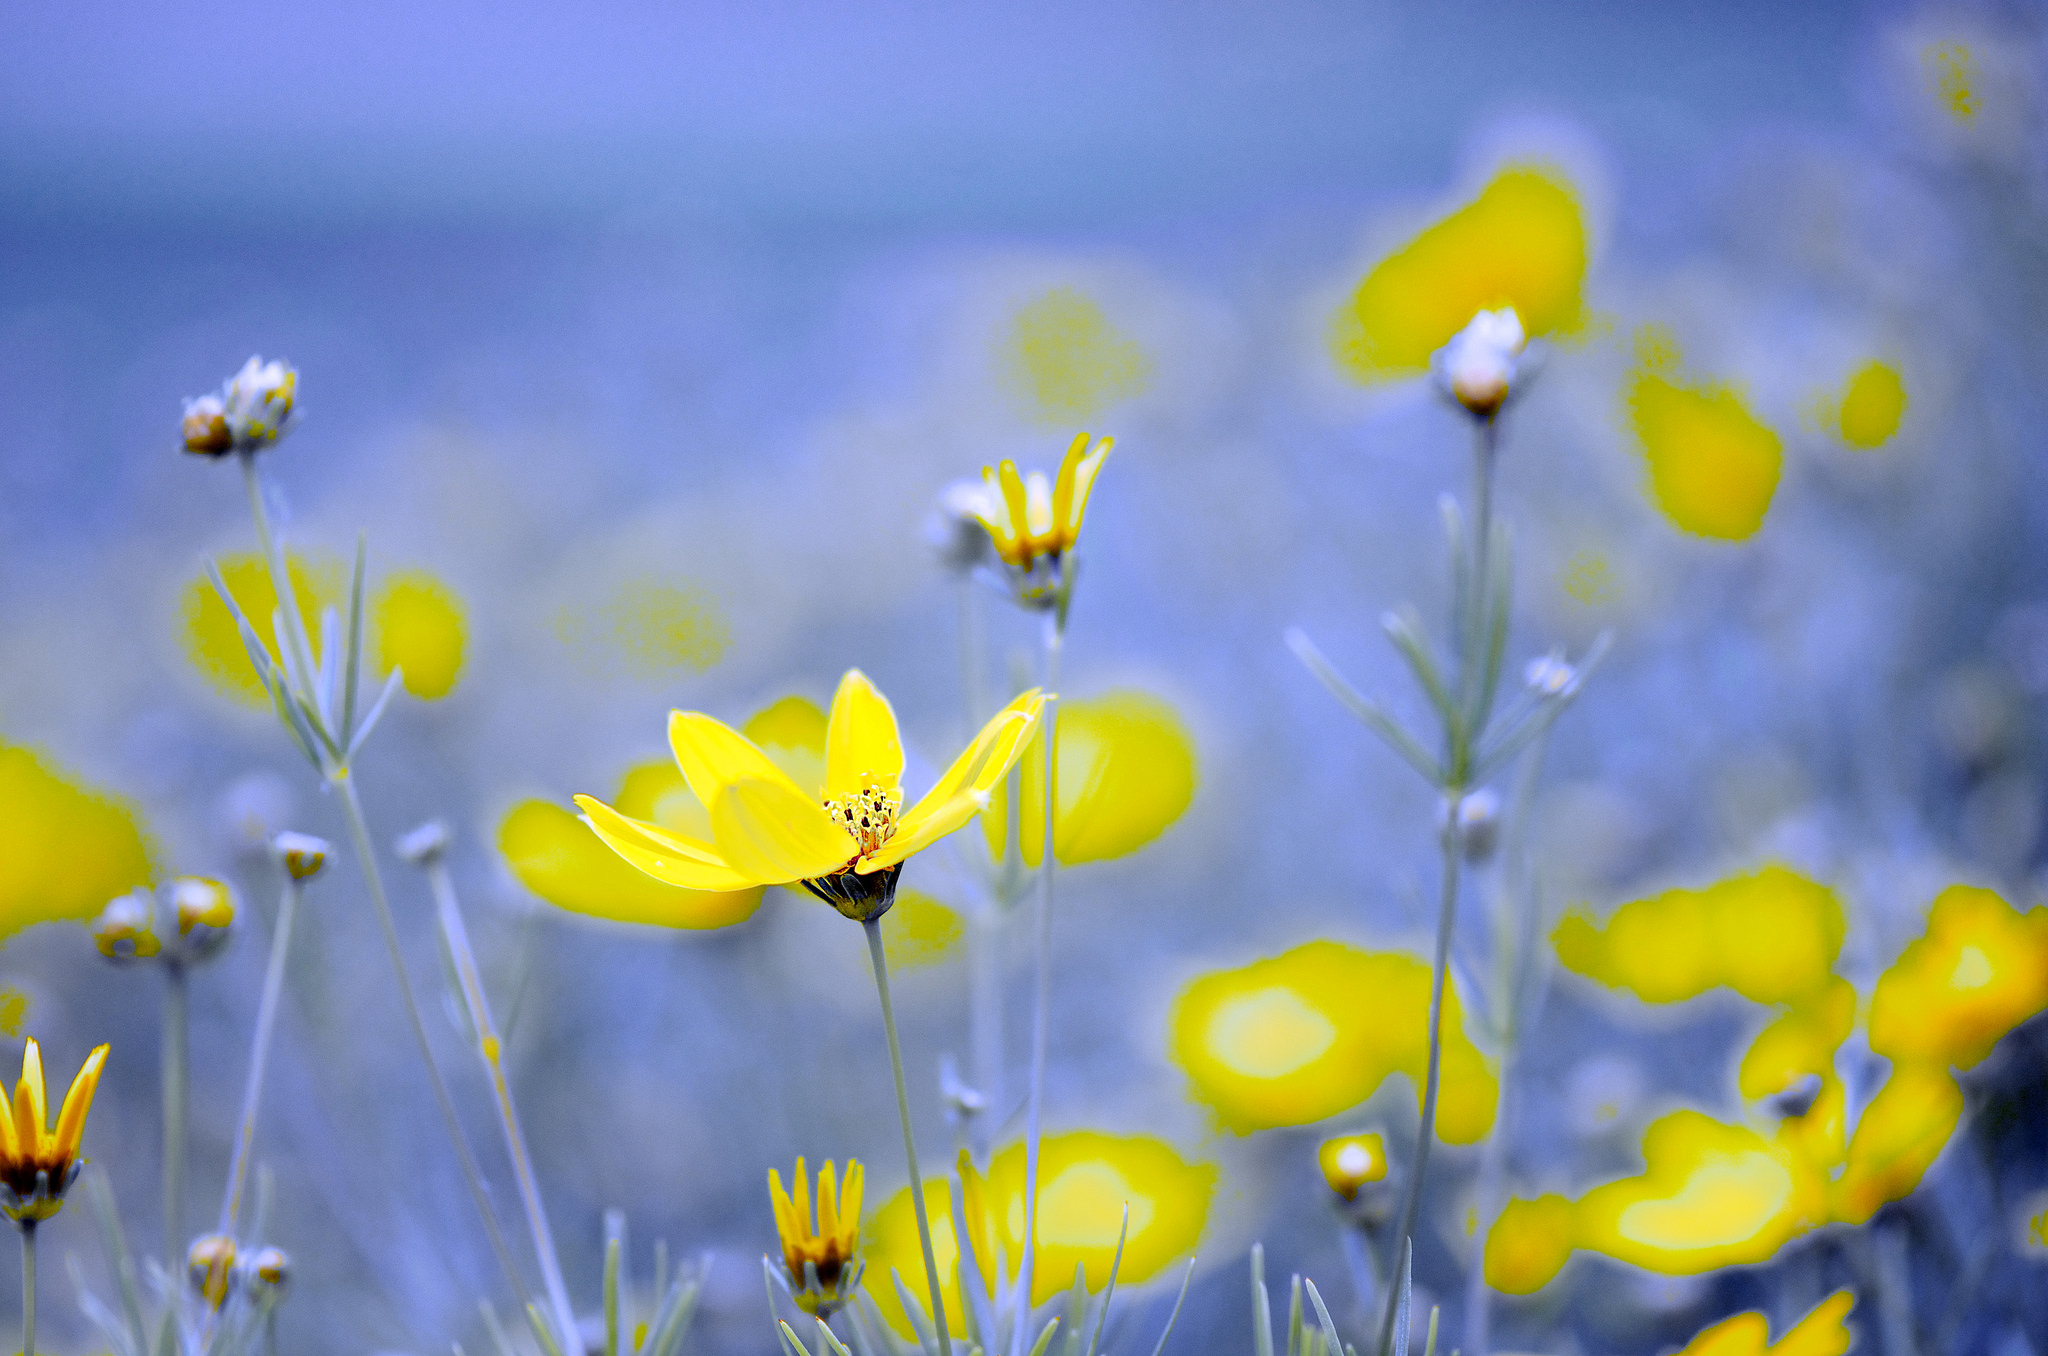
(366, 855)
(177, 1095)
(873, 927)
(1041, 1002)
(259, 1056)
(28, 1287)
(280, 575)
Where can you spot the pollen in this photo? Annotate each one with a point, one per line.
(868, 814)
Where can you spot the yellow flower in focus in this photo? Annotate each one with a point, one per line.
(1288, 1040)
(214, 643)
(1350, 1161)
(820, 1258)
(65, 849)
(1065, 361)
(844, 839)
(1029, 517)
(417, 628)
(1713, 465)
(1127, 771)
(1820, 1333)
(1771, 936)
(37, 1164)
(1521, 244)
(1870, 406)
(1086, 1179)
(920, 931)
(1980, 970)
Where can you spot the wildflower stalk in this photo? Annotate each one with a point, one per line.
(1041, 1000)
(490, 1051)
(177, 1075)
(259, 1055)
(873, 928)
(28, 1287)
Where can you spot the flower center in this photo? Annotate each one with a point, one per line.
(868, 814)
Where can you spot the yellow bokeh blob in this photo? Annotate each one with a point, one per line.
(13, 1011)
(1086, 1179)
(1314, 1031)
(1821, 1333)
(1980, 970)
(650, 627)
(1520, 243)
(1713, 464)
(1127, 771)
(65, 849)
(1871, 404)
(918, 930)
(555, 855)
(1801, 1041)
(416, 627)
(1065, 362)
(214, 643)
(1771, 936)
(1952, 68)
(1529, 1242)
(1898, 1137)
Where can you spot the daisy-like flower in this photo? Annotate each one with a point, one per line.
(844, 841)
(38, 1165)
(1029, 517)
(820, 1257)
(1478, 367)
(256, 407)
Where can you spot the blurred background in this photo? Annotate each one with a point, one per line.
(651, 334)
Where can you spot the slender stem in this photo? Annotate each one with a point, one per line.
(873, 927)
(177, 1075)
(1426, 1132)
(490, 1051)
(28, 1287)
(280, 574)
(259, 1056)
(1041, 997)
(366, 855)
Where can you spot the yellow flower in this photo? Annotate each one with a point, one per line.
(1820, 1333)
(1713, 464)
(1898, 1137)
(65, 848)
(38, 1165)
(418, 630)
(1086, 1179)
(1351, 1161)
(1286, 1041)
(1127, 771)
(1028, 516)
(844, 840)
(920, 931)
(820, 1258)
(214, 643)
(1980, 970)
(1063, 359)
(1870, 406)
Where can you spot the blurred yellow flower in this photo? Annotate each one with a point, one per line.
(1801, 1041)
(1821, 1333)
(1029, 516)
(1898, 1137)
(38, 1164)
(65, 849)
(1953, 68)
(214, 643)
(1288, 1040)
(1350, 1161)
(1521, 244)
(1771, 936)
(1127, 771)
(1065, 361)
(1588, 578)
(1867, 411)
(1980, 969)
(13, 1011)
(1086, 1179)
(844, 839)
(651, 627)
(417, 628)
(819, 1258)
(1529, 1242)
(1713, 465)
(920, 931)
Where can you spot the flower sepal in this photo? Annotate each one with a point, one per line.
(863, 898)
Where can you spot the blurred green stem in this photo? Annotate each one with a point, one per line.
(28, 1287)
(259, 1055)
(280, 572)
(177, 1075)
(1041, 999)
(873, 927)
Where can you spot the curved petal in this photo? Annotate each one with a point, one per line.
(555, 853)
(862, 747)
(1077, 480)
(935, 820)
(713, 755)
(984, 762)
(71, 1120)
(663, 855)
(30, 1128)
(775, 834)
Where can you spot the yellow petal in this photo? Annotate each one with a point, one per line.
(862, 747)
(38, 1100)
(661, 854)
(713, 755)
(1077, 479)
(775, 834)
(828, 1202)
(849, 1196)
(71, 1120)
(934, 821)
(559, 857)
(785, 1213)
(802, 1197)
(982, 763)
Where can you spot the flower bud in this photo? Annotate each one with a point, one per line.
(954, 529)
(1355, 1166)
(1478, 823)
(268, 1274)
(122, 931)
(425, 845)
(301, 854)
(1550, 677)
(1478, 366)
(260, 402)
(206, 426)
(210, 1265)
(206, 910)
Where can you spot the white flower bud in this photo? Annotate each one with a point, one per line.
(1478, 366)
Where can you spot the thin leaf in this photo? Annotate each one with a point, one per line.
(1404, 629)
(1429, 1345)
(1045, 1336)
(376, 711)
(790, 1345)
(1294, 1316)
(352, 661)
(920, 1325)
(541, 1334)
(1174, 1317)
(1330, 1337)
(977, 1309)
(1262, 1305)
(111, 1325)
(330, 663)
(101, 1193)
(1109, 1291)
(499, 1338)
(832, 1342)
(677, 1326)
(611, 1298)
(1404, 1307)
(1363, 707)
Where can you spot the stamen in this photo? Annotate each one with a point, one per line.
(868, 814)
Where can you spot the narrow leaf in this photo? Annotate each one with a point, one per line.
(1174, 1317)
(1363, 707)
